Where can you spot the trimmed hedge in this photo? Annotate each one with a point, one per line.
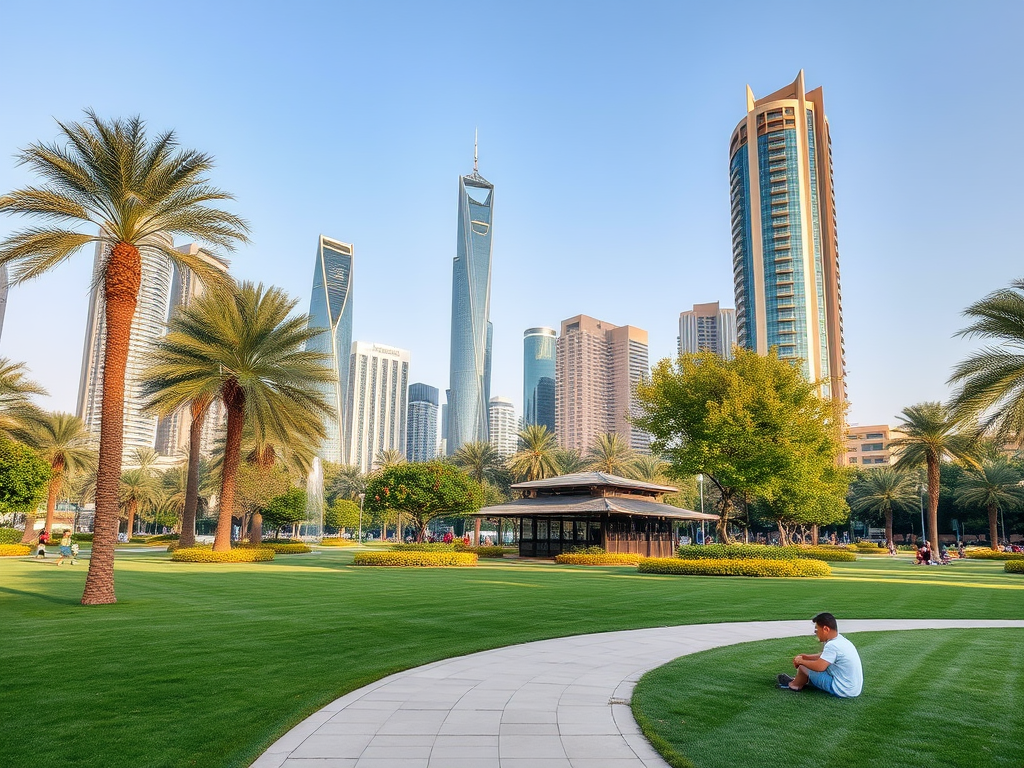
(744, 567)
(605, 558)
(763, 552)
(296, 548)
(990, 554)
(827, 554)
(15, 550)
(174, 545)
(10, 536)
(428, 559)
(1014, 566)
(337, 541)
(203, 555)
(492, 552)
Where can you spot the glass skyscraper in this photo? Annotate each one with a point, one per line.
(3, 295)
(330, 309)
(470, 376)
(785, 252)
(539, 377)
(421, 425)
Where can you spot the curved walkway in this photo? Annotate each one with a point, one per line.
(561, 703)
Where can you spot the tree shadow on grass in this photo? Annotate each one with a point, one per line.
(41, 596)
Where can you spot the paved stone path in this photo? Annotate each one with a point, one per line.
(560, 703)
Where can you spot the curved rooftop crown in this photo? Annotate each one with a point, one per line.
(593, 479)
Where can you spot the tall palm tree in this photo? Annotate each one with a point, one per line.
(478, 460)
(133, 195)
(17, 411)
(176, 485)
(990, 382)
(611, 454)
(348, 483)
(139, 491)
(884, 490)
(245, 347)
(388, 457)
(650, 469)
(931, 434)
(536, 459)
(62, 440)
(569, 461)
(993, 485)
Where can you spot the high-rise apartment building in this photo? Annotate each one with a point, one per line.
(503, 427)
(869, 446)
(148, 325)
(377, 402)
(470, 376)
(330, 309)
(785, 252)
(421, 439)
(707, 328)
(3, 296)
(172, 432)
(539, 377)
(598, 366)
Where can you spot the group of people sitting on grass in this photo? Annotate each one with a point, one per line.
(925, 556)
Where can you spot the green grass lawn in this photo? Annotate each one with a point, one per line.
(206, 665)
(931, 698)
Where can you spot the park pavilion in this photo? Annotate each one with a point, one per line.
(594, 509)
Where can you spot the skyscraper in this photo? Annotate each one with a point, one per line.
(785, 252)
(377, 402)
(707, 328)
(470, 377)
(172, 432)
(598, 366)
(3, 296)
(539, 377)
(421, 438)
(330, 309)
(148, 325)
(502, 425)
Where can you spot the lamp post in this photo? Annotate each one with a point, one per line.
(361, 497)
(700, 482)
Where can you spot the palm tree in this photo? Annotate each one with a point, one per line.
(610, 454)
(388, 457)
(16, 408)
(246, 348)
(993, 485)
(175, 482)
(931, 434)
(62, 440)
(348, 483)
(536, 459)
(650, 469)
(569, 461)
(991, 380)
(133, 195)
(478, 460)
(884, 490)
(138, 492)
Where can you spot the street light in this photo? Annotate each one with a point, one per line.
(700, 481)
(361, 497)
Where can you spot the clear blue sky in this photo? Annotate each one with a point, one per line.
(604, 128)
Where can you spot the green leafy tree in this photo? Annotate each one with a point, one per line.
(930, 435)
(247, 348)
(752, 425)
(255, 488)
(17, 411)
(424, 491)
(130, 195)
(611, 454)
(24, 476)
(287, 509)
(342, 513)
(537, 457)
(882, 491)
(994, 485)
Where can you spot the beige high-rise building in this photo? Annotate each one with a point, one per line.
(707, 328)
(378, 402)
(597, 367)
(785, 252)
(869, 446)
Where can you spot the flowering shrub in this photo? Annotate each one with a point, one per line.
(1014, 566)
(871, 548)
(15, 550)
(762, 552)
(204, 555)
(603, 558)
(436, 546)
(421, 559)
(337, 541)
(174, 545)
(10, 536)
(287, 548)
(827, 554)
(726, 567)
(991, 554)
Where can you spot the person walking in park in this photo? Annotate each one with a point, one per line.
(44, 539)
(836, 670)
(65, 548)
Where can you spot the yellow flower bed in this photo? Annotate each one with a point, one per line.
(991, 554)
(204, 555)
(280, 549)
(745, 567)
(828, 554)
(337, 541)
(1014, 566)
(605, 558)
(415, 559)
(15, 550)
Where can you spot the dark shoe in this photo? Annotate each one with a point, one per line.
(784, 681)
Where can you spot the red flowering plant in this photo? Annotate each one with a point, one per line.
(423, 491)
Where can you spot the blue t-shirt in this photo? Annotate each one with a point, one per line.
(844, 666)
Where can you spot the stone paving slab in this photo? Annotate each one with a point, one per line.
(561, 703)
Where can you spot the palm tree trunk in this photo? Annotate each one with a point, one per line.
(234, 399)
(188, 515)
(51, 498)
(888, 526)
(993, 528)
(30, 536)
(121, 280)
(476, 533)
(256, 528)
(133, 507)
(933, 503)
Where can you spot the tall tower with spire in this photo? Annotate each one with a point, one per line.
(470, 372)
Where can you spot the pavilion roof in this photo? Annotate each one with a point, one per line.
(590, 480)
(584, 505)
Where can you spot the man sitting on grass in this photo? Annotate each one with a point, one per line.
(835, 670)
